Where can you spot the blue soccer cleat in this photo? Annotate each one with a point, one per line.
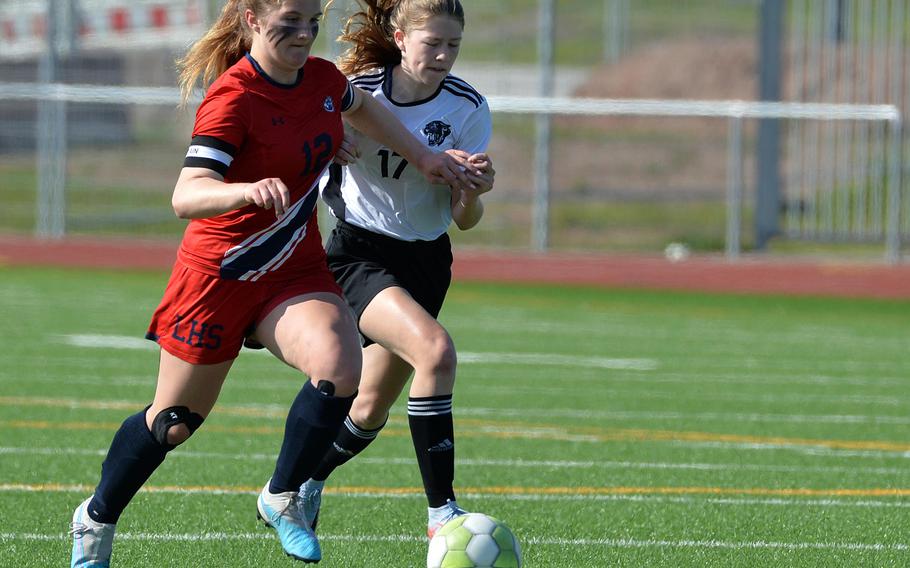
(284, 512)
(92, 541)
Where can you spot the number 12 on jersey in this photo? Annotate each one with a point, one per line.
(384, 154)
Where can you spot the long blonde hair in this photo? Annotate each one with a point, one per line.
(370, 31)
(223, 45)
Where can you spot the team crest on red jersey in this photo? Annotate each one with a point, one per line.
(328, 104)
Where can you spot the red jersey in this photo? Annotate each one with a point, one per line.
(249, 128)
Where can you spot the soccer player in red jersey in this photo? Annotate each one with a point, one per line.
(251, 264)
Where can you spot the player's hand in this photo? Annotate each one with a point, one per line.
(269, 193)
(481, 174)
(481, 161)
(348, 152)
(449, 168)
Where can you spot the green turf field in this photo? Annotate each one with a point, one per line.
(608, 428)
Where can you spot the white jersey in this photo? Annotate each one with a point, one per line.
(381, 192)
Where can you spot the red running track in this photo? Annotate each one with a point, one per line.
(707, 274)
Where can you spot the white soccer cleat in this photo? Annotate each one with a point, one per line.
(284, 513)
(439, 516)
(311, 498)
(92, 541)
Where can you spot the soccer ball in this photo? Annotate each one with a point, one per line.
(474, 540)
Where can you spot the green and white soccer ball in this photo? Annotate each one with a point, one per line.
(474, 540)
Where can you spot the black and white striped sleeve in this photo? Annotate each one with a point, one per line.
(210, 153)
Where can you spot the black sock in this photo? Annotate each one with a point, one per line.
(313, 423)
(132, 458)
(433, 435)
(351, 441)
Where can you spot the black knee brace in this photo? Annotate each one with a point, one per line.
(171, 417)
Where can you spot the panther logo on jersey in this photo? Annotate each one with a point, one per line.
(436, 132)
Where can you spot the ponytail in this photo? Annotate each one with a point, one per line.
(370, 34)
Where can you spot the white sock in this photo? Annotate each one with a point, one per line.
(311, 486)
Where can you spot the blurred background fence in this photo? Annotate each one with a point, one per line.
(101, 157)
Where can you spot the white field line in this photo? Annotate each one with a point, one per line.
(794, 398)
(606, 328)
(668, 415)
(788, 398)
(533, 497)
(733, 362)
(746, 376)
(732, 336)
(558, 360)
(532, 541)
(538, 359)
(531, 432)
(760, 544)
(610, 325)
(764, 377)
(742, 376)
(808, 450)
(513, 463)
(260, 385)
(215, 537)
(109, 342)
(727, 501)
(277, 411)
(550, 433)
(126, 342)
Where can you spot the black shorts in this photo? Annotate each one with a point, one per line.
(365, 263)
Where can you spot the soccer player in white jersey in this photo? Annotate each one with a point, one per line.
(390, 251)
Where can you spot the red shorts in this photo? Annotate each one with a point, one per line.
(203, 319)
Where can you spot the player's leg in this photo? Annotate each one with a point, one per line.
(401, 325)
(381, 382)
(316, 334)
(360, 261)
(184, 396)
(397, 288)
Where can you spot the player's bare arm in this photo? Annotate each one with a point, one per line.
(201, 193)
(377, 122)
